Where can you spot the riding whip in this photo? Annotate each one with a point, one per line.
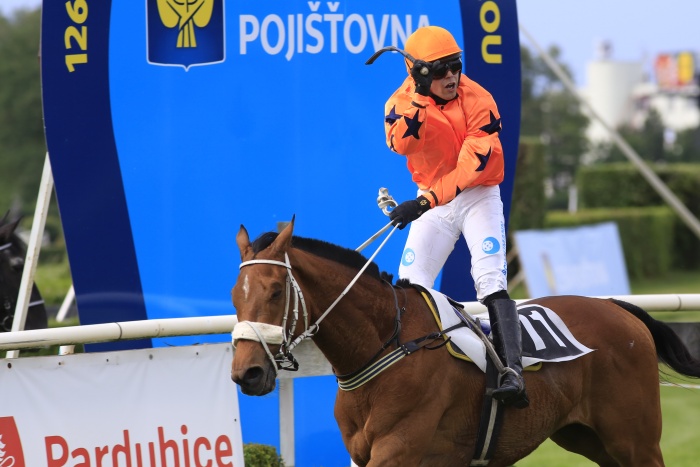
(390, 48)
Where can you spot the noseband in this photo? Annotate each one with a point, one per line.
(276, 335)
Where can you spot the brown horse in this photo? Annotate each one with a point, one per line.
(424, 410)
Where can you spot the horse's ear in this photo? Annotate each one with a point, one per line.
(6, 230)
(284, 239)
(5, 233)
(243, 241)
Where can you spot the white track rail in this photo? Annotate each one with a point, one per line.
(667, 302)
(171, 327)
(125, 330)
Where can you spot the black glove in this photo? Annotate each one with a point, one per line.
(422, 73)
(408, 211)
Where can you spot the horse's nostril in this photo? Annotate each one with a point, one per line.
(253, 375)
(250, 377)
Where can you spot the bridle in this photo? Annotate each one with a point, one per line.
(282, 335)
(278, 335)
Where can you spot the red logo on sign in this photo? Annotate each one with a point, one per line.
(11, 454)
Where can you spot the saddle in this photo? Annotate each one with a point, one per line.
(545, 338)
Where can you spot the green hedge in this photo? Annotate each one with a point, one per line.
(646, 235)
(621, 185)
(261, 455)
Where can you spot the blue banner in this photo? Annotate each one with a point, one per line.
(169, 124)
(575, 261)
(75, 45)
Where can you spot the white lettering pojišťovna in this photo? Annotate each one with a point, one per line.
(316, 31)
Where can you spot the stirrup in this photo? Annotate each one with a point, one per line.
(512, 395)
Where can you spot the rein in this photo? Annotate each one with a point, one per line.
(282, 334)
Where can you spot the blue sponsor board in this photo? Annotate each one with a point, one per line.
(584, 260)
(169, 124)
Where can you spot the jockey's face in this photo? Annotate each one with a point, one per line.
(446, 88)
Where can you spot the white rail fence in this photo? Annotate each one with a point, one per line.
(170, 327)
(312, 362)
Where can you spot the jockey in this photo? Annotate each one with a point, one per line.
(447, 126)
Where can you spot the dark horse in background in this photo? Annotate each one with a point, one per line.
(424, 410)
(12, 254)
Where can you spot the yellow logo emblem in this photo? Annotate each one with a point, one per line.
(185, 15)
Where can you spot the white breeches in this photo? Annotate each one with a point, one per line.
(477, 213)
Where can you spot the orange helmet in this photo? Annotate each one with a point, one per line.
(430, 43)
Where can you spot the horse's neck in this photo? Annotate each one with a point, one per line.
(359, 324)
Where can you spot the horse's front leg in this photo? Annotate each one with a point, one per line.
(374, 440)
(409, 442)
(396, 451)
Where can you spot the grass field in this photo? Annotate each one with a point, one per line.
(679, 441)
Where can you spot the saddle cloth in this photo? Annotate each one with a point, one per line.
(545, 337)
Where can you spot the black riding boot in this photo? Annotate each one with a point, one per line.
(505, 326)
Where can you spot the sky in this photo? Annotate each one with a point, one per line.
(638, 30)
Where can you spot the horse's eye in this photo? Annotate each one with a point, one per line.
(276, 295)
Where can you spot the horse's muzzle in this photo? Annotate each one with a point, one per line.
(254, 380)
(252, 369)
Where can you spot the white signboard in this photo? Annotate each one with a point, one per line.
(576, 261)
(166, 407)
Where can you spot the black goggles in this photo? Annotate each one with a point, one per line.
(454, 66)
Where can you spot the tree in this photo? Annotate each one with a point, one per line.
(22, 143)
(647, 141)
(652, 144)
(687, 146)
(553, 115)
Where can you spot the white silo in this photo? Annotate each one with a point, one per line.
(609, 90)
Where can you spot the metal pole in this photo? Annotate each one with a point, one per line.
(30, 263)
(65, 306)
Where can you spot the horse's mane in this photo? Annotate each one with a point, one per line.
(323, 249)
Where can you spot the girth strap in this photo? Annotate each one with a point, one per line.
(394, 356)
(491, 420)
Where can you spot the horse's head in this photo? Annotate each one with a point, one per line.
(261, 299)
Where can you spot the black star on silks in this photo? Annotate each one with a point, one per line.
(392, 116)
(483, 159)
(412, 126)
(494, 126)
